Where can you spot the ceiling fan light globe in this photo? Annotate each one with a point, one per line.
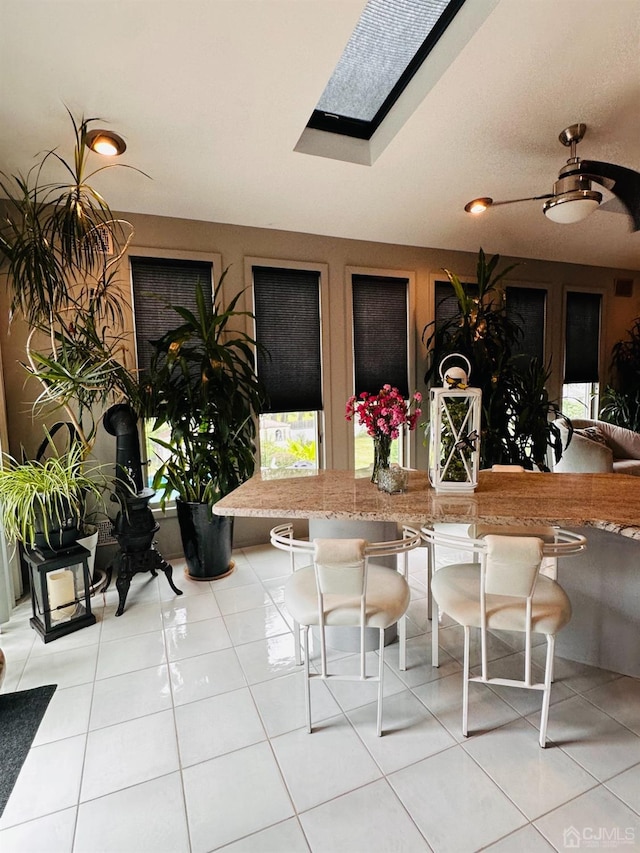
(570, 207)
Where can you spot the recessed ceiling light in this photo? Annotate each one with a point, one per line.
(105, 142)
(478, 205)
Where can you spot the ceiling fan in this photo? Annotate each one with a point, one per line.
(573, 197)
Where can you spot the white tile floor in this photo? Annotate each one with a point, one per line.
(179, 727)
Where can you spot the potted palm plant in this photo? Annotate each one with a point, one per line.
(60, 246)
(203, 392)
(621, 399)
(516, 428)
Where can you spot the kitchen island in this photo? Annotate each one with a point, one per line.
(603, 583)
(605, 501)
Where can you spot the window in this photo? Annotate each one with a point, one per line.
(526, 306)
(157, 283)
(580, 392)
(380, 334)
(380, 348)
(446, 302)
(389, 44)
(289, 363)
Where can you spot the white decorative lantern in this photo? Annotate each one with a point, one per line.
(454, 439)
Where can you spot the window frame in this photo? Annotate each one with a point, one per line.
(215, 259)
(502, 286)
(547, 348)
(324, 453)
(322, 143)
(357, 128)
(408, 446)
(602, 356)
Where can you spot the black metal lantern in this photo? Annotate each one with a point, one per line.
(60, 591)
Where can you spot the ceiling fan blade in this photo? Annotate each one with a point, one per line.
(614, 205)
(624, 184)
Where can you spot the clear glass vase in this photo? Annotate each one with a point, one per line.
(381, 454)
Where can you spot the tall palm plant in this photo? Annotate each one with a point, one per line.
(202, 385)
(621, 399)
(515, 404)
(61, 245)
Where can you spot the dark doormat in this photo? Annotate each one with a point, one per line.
(20, 716)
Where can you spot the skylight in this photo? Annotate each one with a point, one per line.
(390, 42)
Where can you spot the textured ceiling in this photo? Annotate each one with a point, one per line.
(212, 96)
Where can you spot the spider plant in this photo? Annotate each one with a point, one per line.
(45, 497)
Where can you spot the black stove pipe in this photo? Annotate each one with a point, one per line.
(120, 420)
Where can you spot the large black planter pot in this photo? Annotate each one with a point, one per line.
(206, 539)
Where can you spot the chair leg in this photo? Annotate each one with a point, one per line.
(546, 696)
(402, 638)
(380, 682)
(430, 570)
(402, 623)
(465, 684)
(433, 611)
(296, 637)
(323, 651)
(307, 678)
(435, 625)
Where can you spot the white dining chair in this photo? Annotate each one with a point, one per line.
(342, 587)
(557, 542)
(507, 593)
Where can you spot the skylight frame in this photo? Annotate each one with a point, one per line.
(361, 129)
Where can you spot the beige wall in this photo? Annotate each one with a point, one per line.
(234, 243)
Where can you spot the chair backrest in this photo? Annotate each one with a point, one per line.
(340, 566)
(282, 537)
(557, 541)
(512, 565)
(508, 469)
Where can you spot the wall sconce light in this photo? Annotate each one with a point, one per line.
(105, 142)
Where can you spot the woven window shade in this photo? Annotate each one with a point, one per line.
(158, 282)
(446, 303)
(287, 312)
(582, 337)
(526, 306)
(380, 336)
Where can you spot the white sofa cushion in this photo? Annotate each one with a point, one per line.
(627, 466)
(624, 443)
(587, 454)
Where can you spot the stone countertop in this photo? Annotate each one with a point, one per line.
(606, 501)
